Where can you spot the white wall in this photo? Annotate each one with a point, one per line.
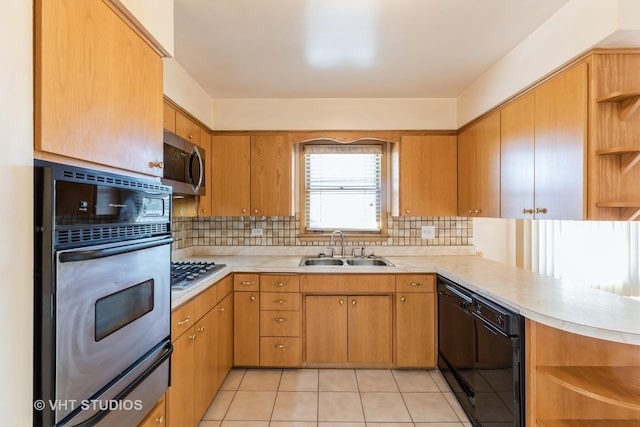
(16, 249)
(577, 27)
(156, 16)
(182, 89)
(312, 114)
(496, 239)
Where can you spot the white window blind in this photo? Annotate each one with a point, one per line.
(343, 187)
(601, 254)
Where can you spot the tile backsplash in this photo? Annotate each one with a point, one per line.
(283, 231)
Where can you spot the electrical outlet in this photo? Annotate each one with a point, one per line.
(428, 232)
(256, 232)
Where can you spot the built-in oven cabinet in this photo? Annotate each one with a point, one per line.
(108, 113)
(202, 334)
(415, 326)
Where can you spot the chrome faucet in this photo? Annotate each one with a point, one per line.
(341, 234)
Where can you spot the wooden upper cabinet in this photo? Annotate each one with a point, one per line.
(560, 145)
(517, 151)
(187, 128)
(204, 202)
(479, 168)
(231, 181)
(271, 175)
(98, 87)
(169, 117)
(427, 175)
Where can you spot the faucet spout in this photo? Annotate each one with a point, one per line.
(341, 234)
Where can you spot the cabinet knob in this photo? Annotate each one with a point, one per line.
(204, 211)
(252, 298)
(160, 420)
(527, 211)
(255, 211)
(159, 165)
(341, 302)
(201, 329)
(244, 211)
(353, 302)
(221, 309)
(407, 211)
(403, 299)
(541, 210)
(190, 136)
(192, 337)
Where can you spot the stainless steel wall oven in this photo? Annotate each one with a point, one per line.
(481, 355)
(102, 296)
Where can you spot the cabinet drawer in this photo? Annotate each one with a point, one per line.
(280, 351)
(182, 318)
(415, 283)
(246, 282)
(279, 323)
(347, 283)
(279, 283)
(157, 416)
(279, 301)
(205, 301)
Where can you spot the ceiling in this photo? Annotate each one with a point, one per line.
(348, 48)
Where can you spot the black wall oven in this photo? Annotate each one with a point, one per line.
(481, 355)
(102, 296)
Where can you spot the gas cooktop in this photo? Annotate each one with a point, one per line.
(186, 273)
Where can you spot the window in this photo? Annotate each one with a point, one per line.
(343, 188)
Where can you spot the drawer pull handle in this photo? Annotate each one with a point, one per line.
(279, 345)
(246, 283)
(186, 320)
(414, 284)
(279, 319)
(201, 329)
(279, 284)
(280, 301)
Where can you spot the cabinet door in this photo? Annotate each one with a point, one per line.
(187, 128)
(479, 168)
(271, 175)
(517, 158)
(428, 176)
(225, 338)
(169, 117)
(246, 321)
(326, 329)
(157, 416)
(231, 169)
(98, 87)
(415, 330)
(206, 362)
(204, 202)
(560, 153)
(369, 326)
(180, 394)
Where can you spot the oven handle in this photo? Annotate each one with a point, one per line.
(129, 388)
(115, 250)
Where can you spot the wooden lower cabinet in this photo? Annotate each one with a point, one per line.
(246, 329)
(348, 329)
(157, 416)
(202, 355)
(415, 330)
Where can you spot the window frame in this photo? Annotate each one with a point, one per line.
(360, 236)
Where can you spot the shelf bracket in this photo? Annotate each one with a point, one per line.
(628, 107)
(628, 161)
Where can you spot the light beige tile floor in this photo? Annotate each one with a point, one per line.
(334, 398)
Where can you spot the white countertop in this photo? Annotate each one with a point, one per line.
(546, 300)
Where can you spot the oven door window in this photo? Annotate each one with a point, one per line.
(117, 310)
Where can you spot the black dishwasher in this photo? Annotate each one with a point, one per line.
(481, 355)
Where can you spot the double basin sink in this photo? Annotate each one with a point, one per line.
(355, 262)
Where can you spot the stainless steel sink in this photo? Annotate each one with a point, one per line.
(347, 262)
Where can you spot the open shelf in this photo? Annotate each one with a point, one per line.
(619, 386)
(588, 423)
(631, 210)
(629, 101)
(629, 156)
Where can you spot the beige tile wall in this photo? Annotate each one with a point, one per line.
(283, 231)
